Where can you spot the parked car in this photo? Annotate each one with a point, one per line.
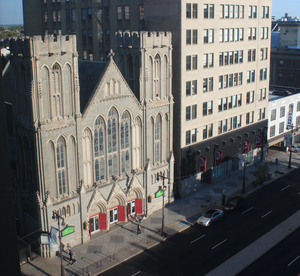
(210, 216)
(234, 203)
(282, 92)
(294, 148)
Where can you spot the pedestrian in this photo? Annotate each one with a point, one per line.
(68, 248)
(139, 229)
(72, 257)
(90, 274)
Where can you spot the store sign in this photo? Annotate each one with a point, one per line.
(67, 231)
(219, 156)
(258, 141)
(203, 161)
(246, 146)
(159, 193)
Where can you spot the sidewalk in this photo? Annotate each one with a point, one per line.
(122, 242)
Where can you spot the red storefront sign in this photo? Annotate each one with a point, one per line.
(246, 146)
(219, 156)
(258, 141)
(203, 161)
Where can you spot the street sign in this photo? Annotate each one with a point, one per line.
(159, 193)
(290, 117)
(67, 231)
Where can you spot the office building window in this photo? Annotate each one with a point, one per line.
(119, 12)
(53, 16)
(207, 108)
(195, 62)
(90, 36)
(195, 36)
(73, 15)
(141, 12)
(188, 62)
(45, 16)
(126, 11)
(82, 14)
(282, 111)
(89, 14)
(188, 10)
(281, 127)
(273, 114)
(250, 97)
(272, 131)
(83, 35)
(188, 37)
(195, 10)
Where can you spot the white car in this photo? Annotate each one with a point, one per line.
(210, 216)
(294, 148)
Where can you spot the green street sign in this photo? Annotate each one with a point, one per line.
(68, 230)
(159, 193)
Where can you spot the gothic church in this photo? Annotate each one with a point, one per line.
(91, 137)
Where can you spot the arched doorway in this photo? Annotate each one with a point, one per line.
(97, 218)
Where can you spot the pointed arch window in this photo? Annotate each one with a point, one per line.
(112, 145)
(56, 91)
(125, 142)
(157, 76)
(99, 153)
(61, 166)
(157, 140)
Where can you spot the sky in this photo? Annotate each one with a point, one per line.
(11, 10)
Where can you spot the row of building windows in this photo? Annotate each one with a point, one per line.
(86, 14)
(230, 80)
(229, 124)
(292, 63)
(227, 80)
(226, 35)
(226, 11)
(291, 77)
(229, 102)
(281, 127)
(230, 57)
(282, 111)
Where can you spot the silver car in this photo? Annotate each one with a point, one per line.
(294, 148)
(210, 216)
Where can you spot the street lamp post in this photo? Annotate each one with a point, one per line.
(290, 158)
(163, 202)
(58, 217)
(244, 176)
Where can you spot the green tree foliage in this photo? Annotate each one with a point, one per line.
(260, 172)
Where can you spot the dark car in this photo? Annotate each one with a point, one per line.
(282, 92)
(234, 203)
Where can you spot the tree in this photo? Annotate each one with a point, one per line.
(260, 172)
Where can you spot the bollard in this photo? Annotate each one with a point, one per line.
(223, 197)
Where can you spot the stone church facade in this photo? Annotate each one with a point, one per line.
(91, 137)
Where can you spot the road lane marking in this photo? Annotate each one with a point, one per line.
(136, 273)
(247, 210)
(285, 187)
(198, 238)
(266, 214)
(293, 261)
(219, 244)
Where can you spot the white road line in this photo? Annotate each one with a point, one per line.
(136, 273)
(247, 210)
(219, 244)
(198, 238)
(285, 187)
(293, 261)
(266, 214)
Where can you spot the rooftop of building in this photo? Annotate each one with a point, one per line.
(89, 76)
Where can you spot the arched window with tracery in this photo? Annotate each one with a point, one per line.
(99, 146)
(61, 165)
(157, 139)
(125, 142)
(112, 143)
(157, 76)
(56, 101)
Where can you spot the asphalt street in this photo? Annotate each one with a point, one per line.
(283, 259)
(198, 249)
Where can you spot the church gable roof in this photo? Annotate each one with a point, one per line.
(111, 85)
(89, 75)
